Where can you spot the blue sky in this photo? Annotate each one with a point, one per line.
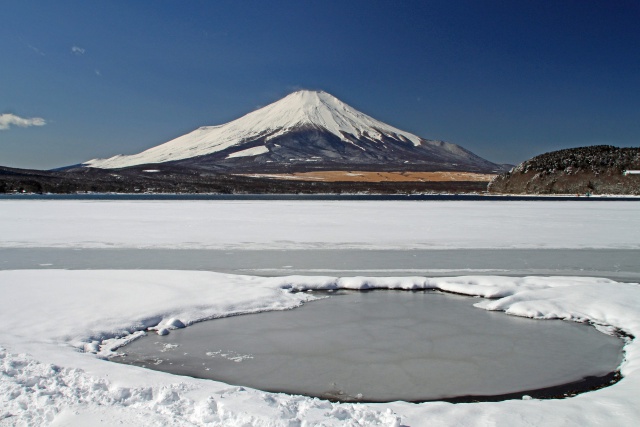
(505, 79)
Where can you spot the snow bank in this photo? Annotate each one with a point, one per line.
(50, 317)
(319, 224)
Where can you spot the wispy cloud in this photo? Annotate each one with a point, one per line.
(98, 73)
(36, 50)
(7, 120)
(77, 50)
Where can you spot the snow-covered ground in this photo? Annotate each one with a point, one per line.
(319, 224)
(50, 316)
(55, 321)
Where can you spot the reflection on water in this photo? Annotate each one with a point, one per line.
(383, 346)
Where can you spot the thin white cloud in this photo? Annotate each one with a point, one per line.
(98, 73)
(77, 50)
(36, 50)
(6, 120)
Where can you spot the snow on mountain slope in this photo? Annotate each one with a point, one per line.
(304, 109)
(254, 151)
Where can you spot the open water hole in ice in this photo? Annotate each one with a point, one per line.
(383, 346)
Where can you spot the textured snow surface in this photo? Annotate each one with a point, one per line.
(49, 316)
(261, 149)
(319, 224)
(303, 108)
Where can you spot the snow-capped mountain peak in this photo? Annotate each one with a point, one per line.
(315, 109)
(322, 110)
(304, 130)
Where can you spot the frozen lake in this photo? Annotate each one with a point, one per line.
(309, 224)
(618, 264)
(82, 276)
(383, 346)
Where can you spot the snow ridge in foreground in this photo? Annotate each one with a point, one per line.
(36, 393)
(55, 385)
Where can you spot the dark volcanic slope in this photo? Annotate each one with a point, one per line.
(176, 180)
(312, 149)
(596, 170)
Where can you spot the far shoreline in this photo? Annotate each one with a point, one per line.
(318, 196)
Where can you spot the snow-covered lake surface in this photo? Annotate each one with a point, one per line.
(319, 224)
(58, 324)
(383, 346)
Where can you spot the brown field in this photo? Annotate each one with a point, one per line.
(363, 176)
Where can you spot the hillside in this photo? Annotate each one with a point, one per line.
(596, 169)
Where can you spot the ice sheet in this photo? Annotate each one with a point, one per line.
(382, 346)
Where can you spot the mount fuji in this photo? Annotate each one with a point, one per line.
(304, 131)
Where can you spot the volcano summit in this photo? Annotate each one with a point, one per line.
(304, 131)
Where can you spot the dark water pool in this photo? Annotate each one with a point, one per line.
(383, 346)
